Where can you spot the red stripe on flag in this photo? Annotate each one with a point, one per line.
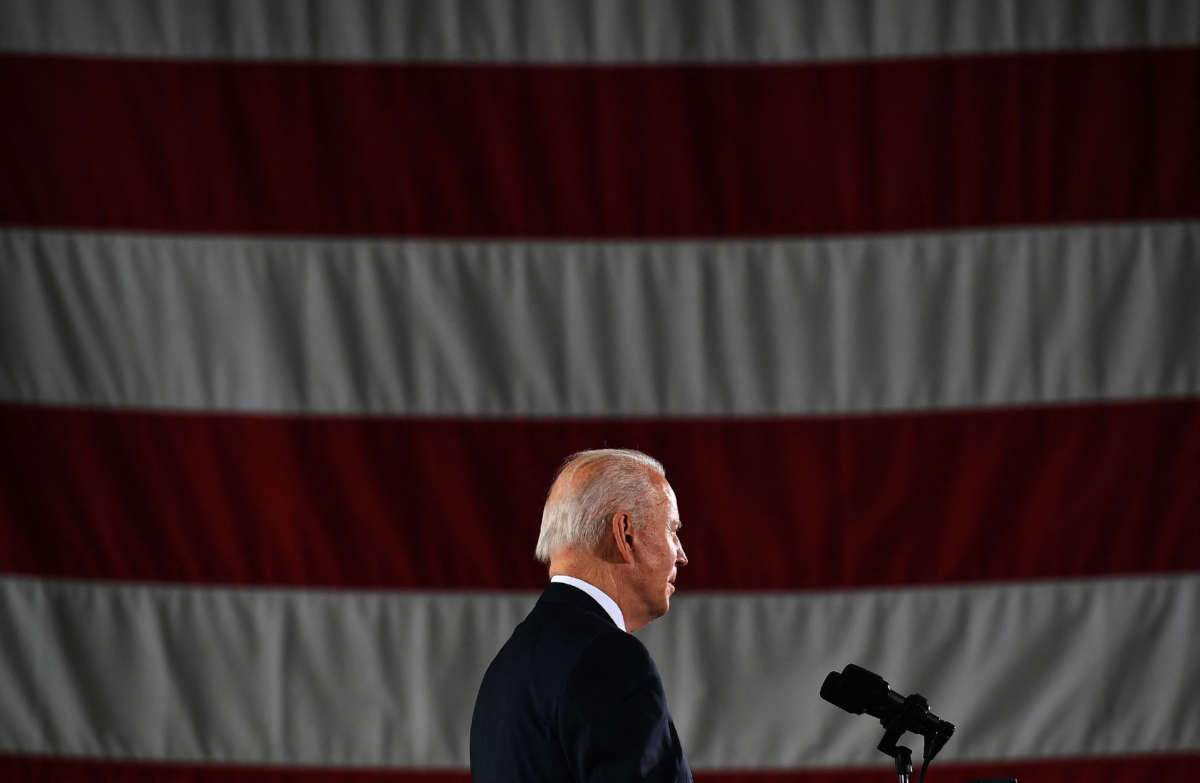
(1119, 769)
(767, 504)
(601, 151)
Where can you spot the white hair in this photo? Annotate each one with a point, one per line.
(580, 514)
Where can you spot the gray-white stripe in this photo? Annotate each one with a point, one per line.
(599, 31)
(527, 328)
(1025, 670)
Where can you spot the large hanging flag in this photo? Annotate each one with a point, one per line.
(301, 304)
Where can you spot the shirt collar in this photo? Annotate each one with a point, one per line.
(601, 597)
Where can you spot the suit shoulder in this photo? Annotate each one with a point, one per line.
(549, 642)
(620, 644)
(615, 661)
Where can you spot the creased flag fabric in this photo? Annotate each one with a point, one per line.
(302, 303)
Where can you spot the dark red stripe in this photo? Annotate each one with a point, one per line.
(767, 504)
(587, 151)
(1119, 769)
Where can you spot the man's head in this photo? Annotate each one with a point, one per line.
(612, 519)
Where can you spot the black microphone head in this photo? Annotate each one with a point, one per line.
(846, 690)
(834, 691)
(866, 682)
(855, 690)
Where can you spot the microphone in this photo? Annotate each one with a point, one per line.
(857, 690)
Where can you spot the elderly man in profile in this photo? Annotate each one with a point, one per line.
(573, 695)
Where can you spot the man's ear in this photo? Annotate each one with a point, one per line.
(622, 535)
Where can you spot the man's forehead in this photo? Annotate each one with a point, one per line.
(664, 486)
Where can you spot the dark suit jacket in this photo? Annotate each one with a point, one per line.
(572, 697)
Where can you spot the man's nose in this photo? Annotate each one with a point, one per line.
(680, 557)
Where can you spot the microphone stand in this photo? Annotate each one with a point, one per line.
(903, 758)
(910, 715)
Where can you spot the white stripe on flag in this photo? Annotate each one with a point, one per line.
(1025, 670)
(527, 328)
(593, 31)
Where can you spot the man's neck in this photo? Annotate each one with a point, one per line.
(600, 575)
(599, 596)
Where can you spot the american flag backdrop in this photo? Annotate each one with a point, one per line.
(302, 303)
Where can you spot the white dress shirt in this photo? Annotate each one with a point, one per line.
(601, 597)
